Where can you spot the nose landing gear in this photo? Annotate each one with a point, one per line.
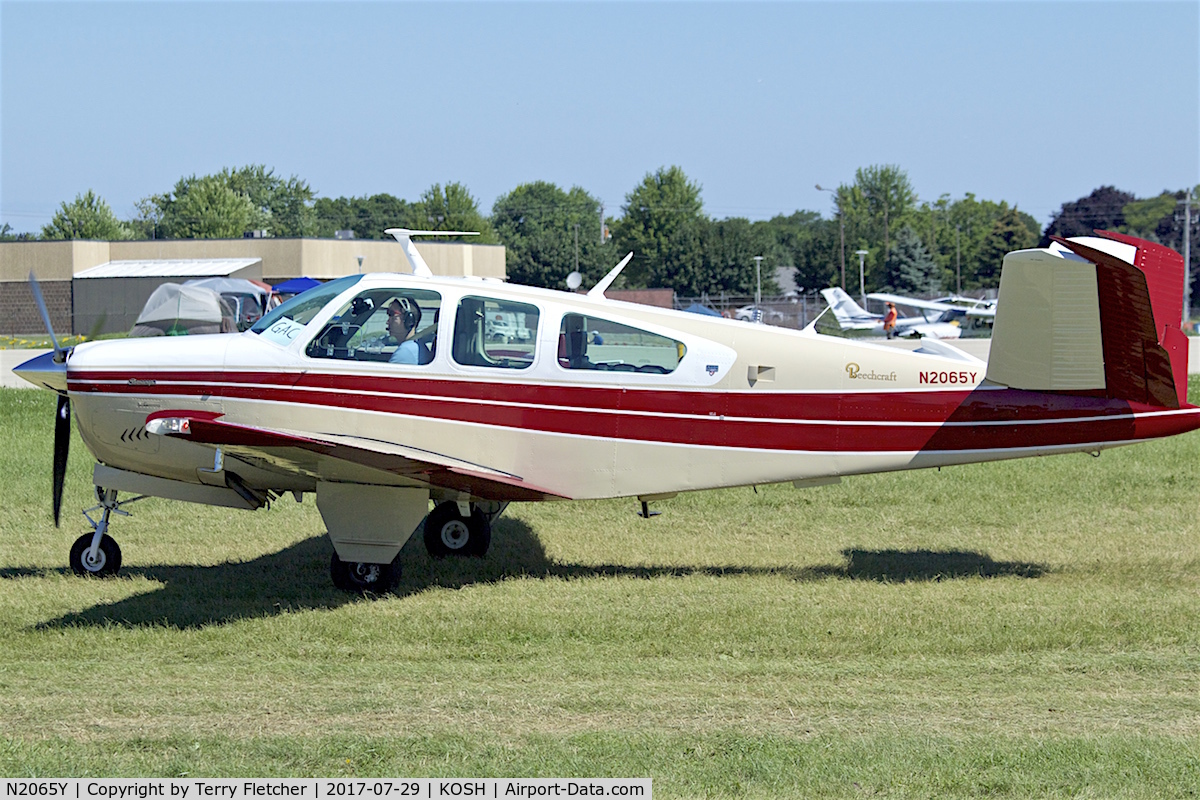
(96, 553)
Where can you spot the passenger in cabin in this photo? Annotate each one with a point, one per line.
(403, 318)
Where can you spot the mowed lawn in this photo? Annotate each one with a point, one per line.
(1028, 628)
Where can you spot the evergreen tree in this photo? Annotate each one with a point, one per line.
(909, 268)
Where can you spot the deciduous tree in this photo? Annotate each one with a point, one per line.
(545, 230)
(662, 222)
(86, 217)
(1103, 209)
(451, 208)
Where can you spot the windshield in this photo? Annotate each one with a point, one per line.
(288, 318)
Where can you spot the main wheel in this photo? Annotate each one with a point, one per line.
(362, 577)
(107, 561)
(449, 533)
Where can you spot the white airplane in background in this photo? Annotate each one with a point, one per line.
(853, 317)
(966, 313)
(602, 399)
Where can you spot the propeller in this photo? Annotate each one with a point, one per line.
(62, 414)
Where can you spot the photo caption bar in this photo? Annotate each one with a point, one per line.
(323, 788)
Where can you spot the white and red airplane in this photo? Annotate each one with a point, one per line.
(585, 397)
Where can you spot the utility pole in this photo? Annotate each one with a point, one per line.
(862, 284)
(841, 228)
(1186, 202)
(957, 261)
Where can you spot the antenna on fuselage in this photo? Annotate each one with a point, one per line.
(606, 281)
(404, 237)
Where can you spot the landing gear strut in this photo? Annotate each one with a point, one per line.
(97, 553)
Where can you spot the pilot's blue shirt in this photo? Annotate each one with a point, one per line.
(409, 352)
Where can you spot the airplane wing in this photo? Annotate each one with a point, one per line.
(301, 452)
(912, 302)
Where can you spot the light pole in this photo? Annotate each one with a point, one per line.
(758, 288)
(841, 228)
(862, 286)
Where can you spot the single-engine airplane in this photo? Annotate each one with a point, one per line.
(601, 399)
(851, 316)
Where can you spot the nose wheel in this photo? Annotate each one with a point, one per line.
(99, 562)
(96, 554)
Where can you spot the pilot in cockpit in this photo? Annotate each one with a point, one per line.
(403, 318)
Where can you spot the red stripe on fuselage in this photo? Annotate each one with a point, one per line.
(904, 421)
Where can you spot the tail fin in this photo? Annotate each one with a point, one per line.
(848, 313)
(1094, 314)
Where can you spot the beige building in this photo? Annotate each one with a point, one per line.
(56, 265)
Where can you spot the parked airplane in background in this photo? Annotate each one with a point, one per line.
(853, 317)
(602, 399)
(968, 314)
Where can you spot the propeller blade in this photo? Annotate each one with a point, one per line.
(41, 304)
(62, 444)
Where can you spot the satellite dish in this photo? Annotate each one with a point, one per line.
(574, 281)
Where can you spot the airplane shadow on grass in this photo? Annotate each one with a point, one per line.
(297, 578)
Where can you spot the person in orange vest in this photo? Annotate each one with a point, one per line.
(889, 320)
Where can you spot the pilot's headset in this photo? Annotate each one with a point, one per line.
(410, 312)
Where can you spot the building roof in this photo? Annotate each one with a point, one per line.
(169, 268)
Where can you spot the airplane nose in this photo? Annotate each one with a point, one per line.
(44, 372)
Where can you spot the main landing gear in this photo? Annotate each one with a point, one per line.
(96, 553)
(361, 577)
(451, 532)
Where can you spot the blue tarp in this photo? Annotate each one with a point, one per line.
(296, 285)
(696, 308)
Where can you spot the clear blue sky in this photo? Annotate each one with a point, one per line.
(1033, 103)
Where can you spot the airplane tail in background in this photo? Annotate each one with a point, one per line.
(1096, 315)
(849, 314)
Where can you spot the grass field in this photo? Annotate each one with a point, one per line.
(1029, 628)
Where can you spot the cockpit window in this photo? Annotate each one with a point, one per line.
(398, 326)
(285, 321)
(598, 344)
(495, 333)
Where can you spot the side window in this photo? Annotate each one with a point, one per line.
(398, 326)
(495, 333)
(591, 343)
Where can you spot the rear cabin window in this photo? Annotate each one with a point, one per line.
(598, 344)
(495, 333)
(397, 326)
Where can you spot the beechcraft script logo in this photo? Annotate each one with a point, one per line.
(854, 372)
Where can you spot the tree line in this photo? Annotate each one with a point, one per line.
(907, 245)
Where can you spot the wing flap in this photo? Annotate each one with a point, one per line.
(294, 449)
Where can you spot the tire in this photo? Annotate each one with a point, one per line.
(448, 533)
(360, 577)
(108, 557)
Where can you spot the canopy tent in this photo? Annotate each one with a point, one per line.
(249, 299)
(296, 285)
(175, 310)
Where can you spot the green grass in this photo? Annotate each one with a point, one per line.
(1029, 628)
